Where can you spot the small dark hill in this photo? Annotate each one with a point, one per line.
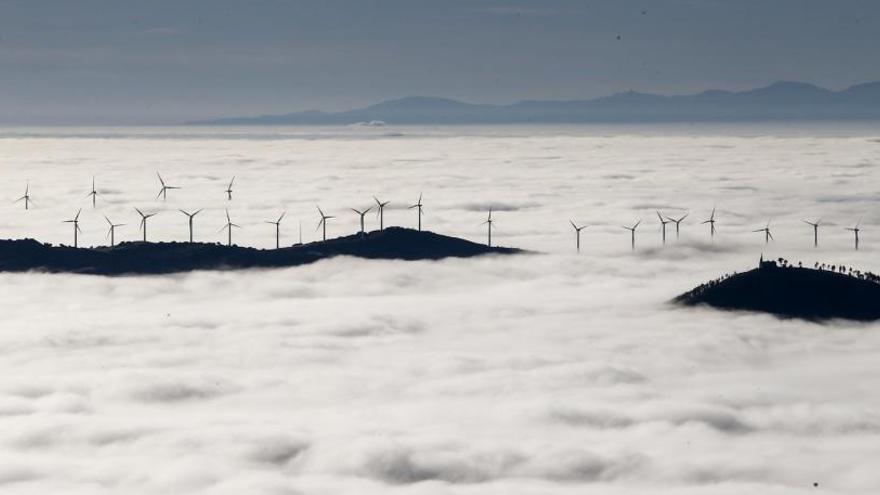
(143, 258)
(793, 293)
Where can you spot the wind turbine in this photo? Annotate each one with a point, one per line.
(164, 191)
(143, 224)
(380, 212)
(711, 222)
(277, 224)
(323, 221)
(489, 223)
(632, 231)
(855, 230)
(300, 232)
(577, 233)
(112, 232)
(362, 213)
(190, 218)
(93, 193)
(76, 229)
(419, 206)
(677, 223)
(815, 226)
(663, 224)
(766, 231)
(27, 196)
(229, 189)
(228, 228)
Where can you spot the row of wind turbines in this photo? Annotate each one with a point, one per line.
(380, 213)
(665, 220)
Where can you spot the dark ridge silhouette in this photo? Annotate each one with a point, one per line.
(145, 258)
(781, 101)
(793, 292)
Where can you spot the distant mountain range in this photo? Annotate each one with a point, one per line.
(779, 101)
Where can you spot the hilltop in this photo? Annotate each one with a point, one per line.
(793, 292)
(784, 100)
(141, 258)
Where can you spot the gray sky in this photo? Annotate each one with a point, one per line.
(104, 61)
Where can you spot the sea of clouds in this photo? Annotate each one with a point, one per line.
(543, 373)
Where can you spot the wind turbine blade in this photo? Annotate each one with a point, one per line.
(770, 235)
(573, 225)
(282, 216)
(160, 192)
(231, 182)
(685, 216)
(108, 220)
(77, 214)
(198, 211)
(160, 179)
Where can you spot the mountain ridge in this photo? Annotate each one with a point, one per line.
(782, 100)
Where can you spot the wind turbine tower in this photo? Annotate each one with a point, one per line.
(663, 226)
(677, 223)
(190, 217)
(855, 230)
(143, 224)
(815, 226)
(767, 235)
(112, 232)
(362, 214)
(577, 233)
(632, 231)
(229, 225)
(76, 229)
(419, 205)
(323, 222)
(380, 212)
(27, 196)
(488, 223)
(93, 193)
(277, 224)
(711, 222)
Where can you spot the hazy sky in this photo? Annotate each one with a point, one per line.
(94, 61)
